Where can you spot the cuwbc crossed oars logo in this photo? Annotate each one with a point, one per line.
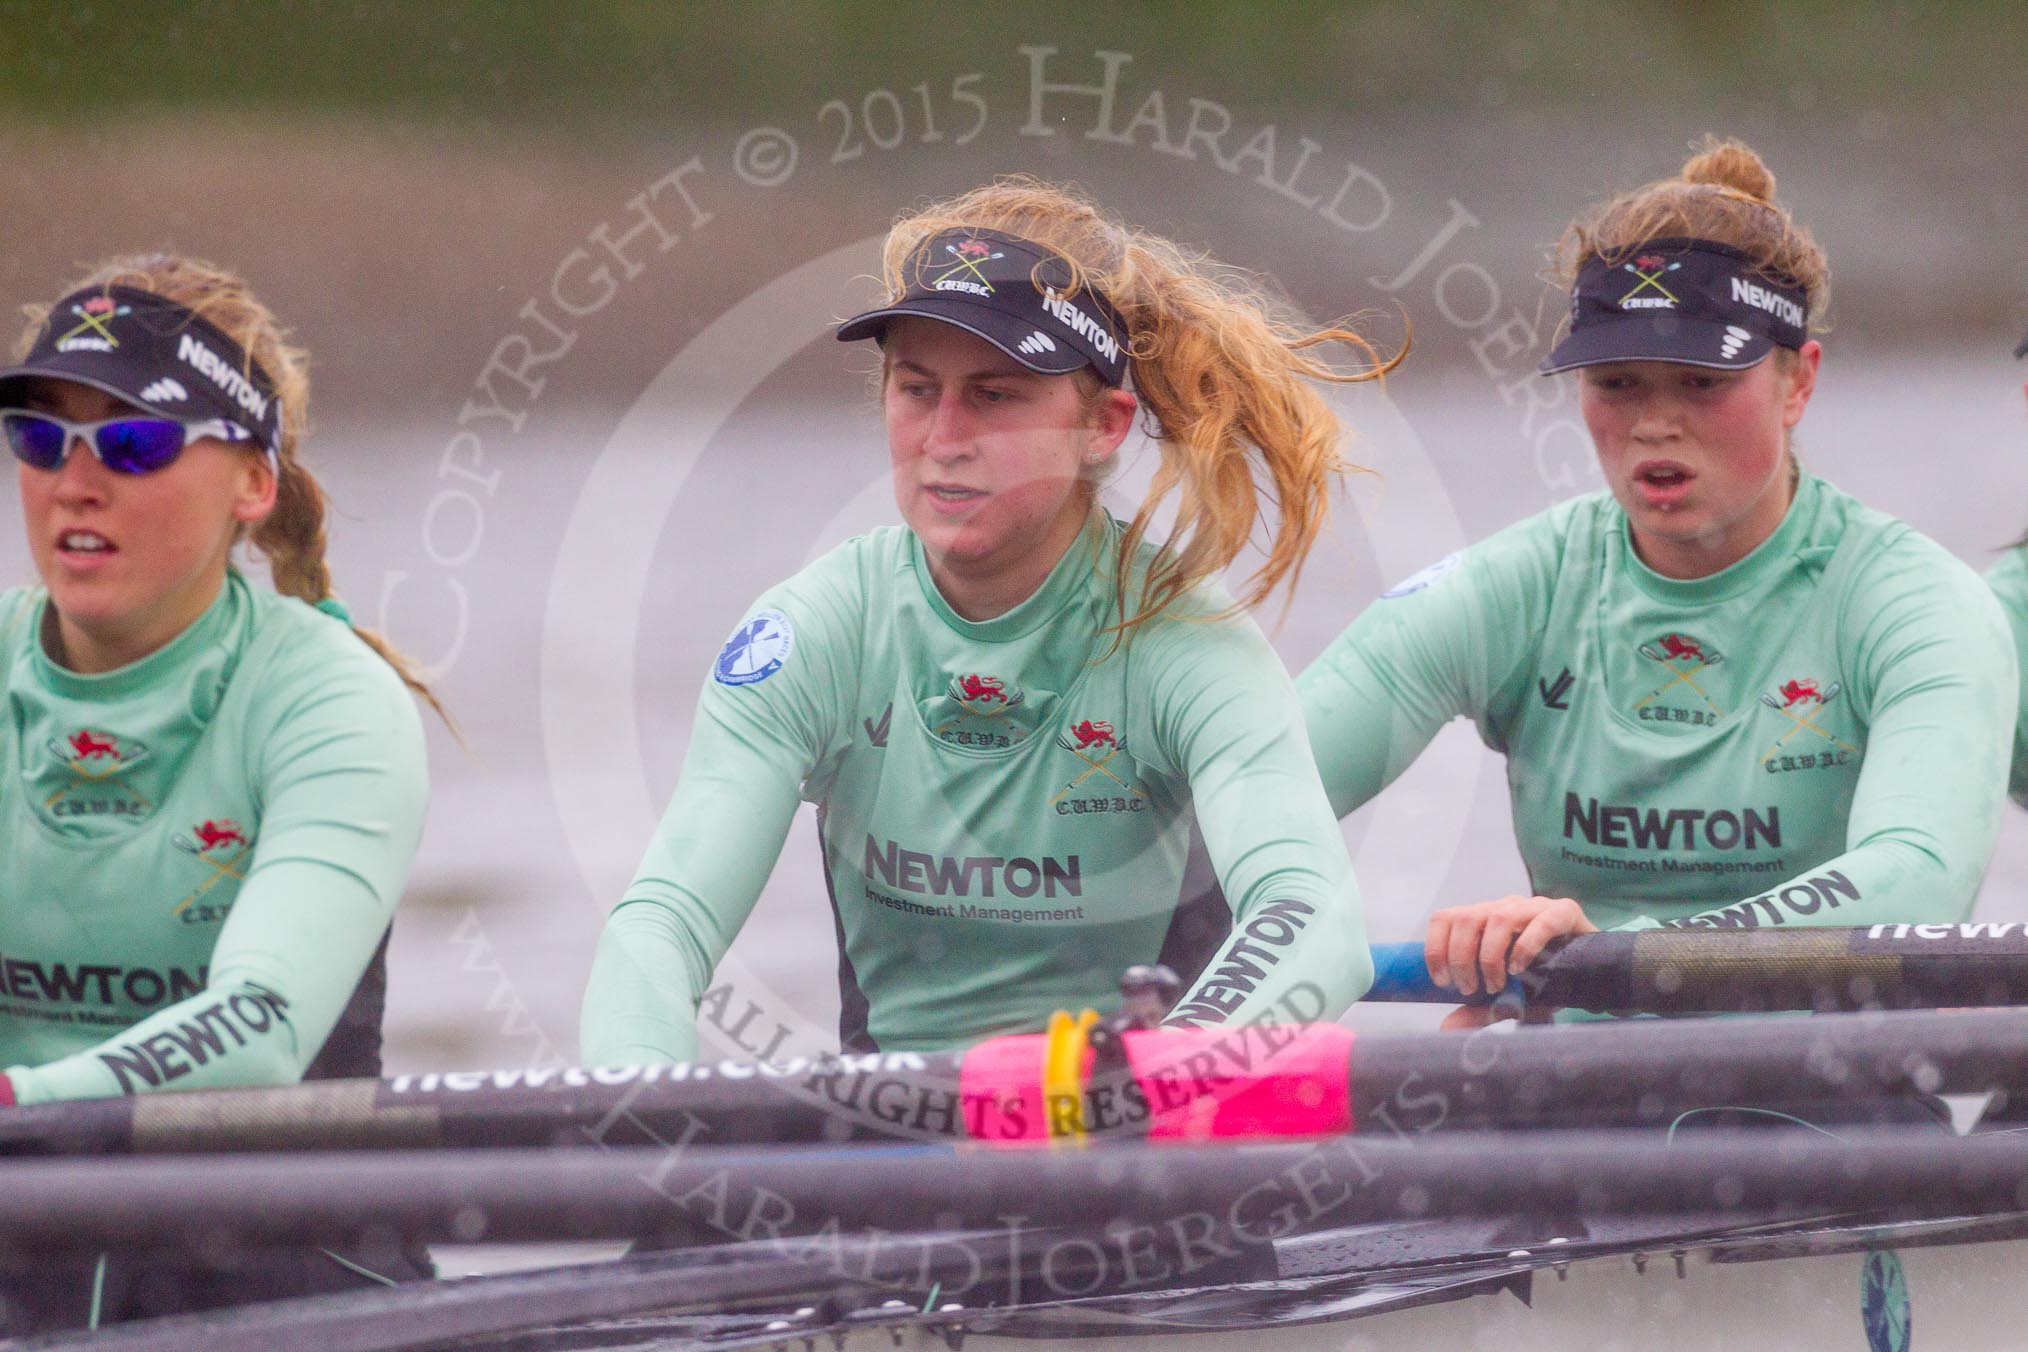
(91, 754)
(93, 314)
(1675, 649)
(1800, 701)
(1091, 735)
(1651, 269)
(978, 697)
(94, 756)
(210, 835)
(969, 255)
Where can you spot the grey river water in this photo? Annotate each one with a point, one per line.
(599, 573)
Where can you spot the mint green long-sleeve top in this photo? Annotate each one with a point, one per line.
(2009, 580)
(205, 848)
(1012, 812)
(1818, 734)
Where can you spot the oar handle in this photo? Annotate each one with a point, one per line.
(1743, 970)
(1401, 976)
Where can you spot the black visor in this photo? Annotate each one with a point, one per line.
(1691, 301)
(154, 354)
(1014, 294)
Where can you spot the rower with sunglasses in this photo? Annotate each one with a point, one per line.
(216, 789)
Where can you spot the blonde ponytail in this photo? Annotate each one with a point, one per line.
(1223, 370)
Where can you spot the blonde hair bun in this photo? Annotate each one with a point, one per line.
(1725, 194)
(1731, 164)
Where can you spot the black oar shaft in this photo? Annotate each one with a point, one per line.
(1723, 970)
(876, 1097)
(1219, 1197)
(1637, 1072)
(1648, 1072)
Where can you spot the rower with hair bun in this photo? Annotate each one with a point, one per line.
(1729, 695)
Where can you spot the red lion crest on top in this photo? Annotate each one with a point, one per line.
(213, 834)
(973, 688)
(87, 746)
(1090, 733)
(1796, 691)
(1678, 646)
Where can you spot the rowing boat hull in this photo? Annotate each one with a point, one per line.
(1964, 1297)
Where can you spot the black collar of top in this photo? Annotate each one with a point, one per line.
(2022, 351)
(152, 353)
(1014, 294)
(1692, 301)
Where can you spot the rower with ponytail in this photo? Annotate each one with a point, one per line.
(1225, 373)
(1046, 745)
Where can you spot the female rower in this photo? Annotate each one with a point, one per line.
(1028, 729)
(218, 789)
(1729, 695)
(2009, 580)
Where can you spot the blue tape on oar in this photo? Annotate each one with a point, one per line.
(1401, 976)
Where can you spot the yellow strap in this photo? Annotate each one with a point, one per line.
(1063, 1073)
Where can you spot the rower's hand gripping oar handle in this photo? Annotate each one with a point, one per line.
(1401, 975)
(1741, 970)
